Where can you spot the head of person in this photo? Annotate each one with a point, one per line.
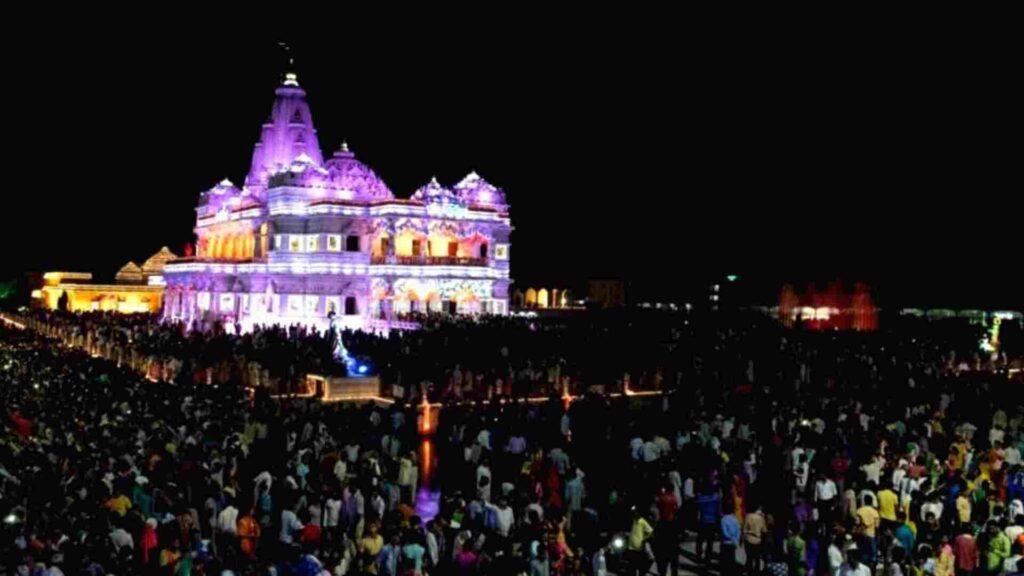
(853, 558)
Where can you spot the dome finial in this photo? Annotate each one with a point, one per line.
(344, 146)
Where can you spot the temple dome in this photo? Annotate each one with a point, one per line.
(353, 179)
(475, 191)
(433, 192)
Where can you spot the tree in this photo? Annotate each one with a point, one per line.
(8, 289)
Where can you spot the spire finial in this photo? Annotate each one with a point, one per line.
(344, 146)
(290, 77)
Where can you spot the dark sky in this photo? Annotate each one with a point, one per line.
(654, 159)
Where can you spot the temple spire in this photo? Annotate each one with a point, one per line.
(288, 134)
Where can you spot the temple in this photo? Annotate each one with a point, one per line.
(136, 289)
(304, 237)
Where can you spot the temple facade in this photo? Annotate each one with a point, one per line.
(136, 289)
(305, 236)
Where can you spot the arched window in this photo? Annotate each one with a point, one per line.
(350, 306)
(542, 298)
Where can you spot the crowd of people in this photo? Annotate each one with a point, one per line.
(766, 451)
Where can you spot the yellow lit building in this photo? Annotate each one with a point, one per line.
(136, 288)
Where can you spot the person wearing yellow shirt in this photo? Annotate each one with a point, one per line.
(887, 502)
(638, 535)
(868, 522)
(369, 548)
(945, 566)
(119, 504)
(963, 508)
(170, 557)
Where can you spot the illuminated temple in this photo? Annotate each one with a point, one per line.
(305, 236)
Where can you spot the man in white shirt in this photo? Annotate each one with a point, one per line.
(484, 439)
(853, 565)
(898, 474)
(227, 520)
(352, 453)
(651, 452)
(873, 470)
(932, 507)
(433, 545)
(506, 518)
(535, 512)
(636, 448)
(795, 456)
(340, 470)
(825, 493)
(122, 539)
(908, 486)
(332, 512)
(289, 526)
(377, 505)
(599, 563)
(1016, 508)
(865, 421)
(801, 473)
(996, 435)
(1013, 531)
(664, 447)
(1011, 455)
(835, 558)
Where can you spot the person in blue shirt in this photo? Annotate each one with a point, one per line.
(387, 561)
(904, 535)
(1015, 487)
(709, 510)
(731, 532)
(413, 551)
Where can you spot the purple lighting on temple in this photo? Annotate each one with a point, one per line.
(305, 237)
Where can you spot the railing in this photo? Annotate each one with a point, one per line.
(213, 260)
(428, 260)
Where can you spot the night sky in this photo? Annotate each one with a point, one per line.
(658, 161)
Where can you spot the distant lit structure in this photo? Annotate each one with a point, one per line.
(833, 309)
(136, 289)
(607, 293)
(543, 298)
(306, 236)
